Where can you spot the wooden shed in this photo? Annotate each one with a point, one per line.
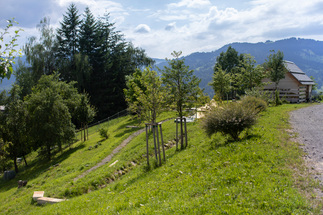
(295, 87)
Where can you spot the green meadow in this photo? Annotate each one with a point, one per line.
(262, 173)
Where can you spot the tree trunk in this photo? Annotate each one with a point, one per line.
(84, 131)
(48, 152)
(81, 132)
(87, 130)
(182, 136)
(147, 146)
(155, 146)
(15, 163)
(25, 160)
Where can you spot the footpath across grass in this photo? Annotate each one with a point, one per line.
(263, 173)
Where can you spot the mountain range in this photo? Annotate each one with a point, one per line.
(307, 54)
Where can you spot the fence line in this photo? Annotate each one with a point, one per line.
(114, 116)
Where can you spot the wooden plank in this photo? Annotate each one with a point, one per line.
(44, 200)
(38, 194)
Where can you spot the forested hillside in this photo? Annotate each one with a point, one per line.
(306, 53)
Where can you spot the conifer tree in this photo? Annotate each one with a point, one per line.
(88, 43)
(68, 43)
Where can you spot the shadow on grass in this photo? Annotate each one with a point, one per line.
(67, 154)
(126, 131)
(35, 168)
(131, 122)
(220, 140)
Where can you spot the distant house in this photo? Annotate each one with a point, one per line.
(295, 87)
(2, 108)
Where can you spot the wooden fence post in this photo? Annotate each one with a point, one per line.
(147, 145)
(156, 126)
(162, 141)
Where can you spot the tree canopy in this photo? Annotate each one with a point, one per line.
(275, 67)
(8, 51)
(235, 73)
(182, 87)
(145, 94)
(51, 106)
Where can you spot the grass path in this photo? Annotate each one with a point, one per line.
(113, 153)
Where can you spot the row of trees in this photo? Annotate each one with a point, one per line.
(43, 120)
(84, 61)
(87, 50)
(234, 73)
(148, 94)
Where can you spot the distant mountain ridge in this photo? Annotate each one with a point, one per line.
(307, 54)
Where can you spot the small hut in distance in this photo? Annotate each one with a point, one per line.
(296, 87)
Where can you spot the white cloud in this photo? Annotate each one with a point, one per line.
(194, 30)
(191, 3)
(170, 26)
(187, 25)
(142, 28)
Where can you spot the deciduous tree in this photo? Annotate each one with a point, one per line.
(276, 70)
(249, 75)
(182, 86)
(146, 95)
(85, 113)
(49, 107)
(221, 82)
(275, 67)
(8, 52)
(40, 53)
(14, 129)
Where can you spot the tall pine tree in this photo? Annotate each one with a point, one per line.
(68, 43)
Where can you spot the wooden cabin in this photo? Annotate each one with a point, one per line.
(296, 87)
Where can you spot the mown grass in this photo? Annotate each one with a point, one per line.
(256, 175)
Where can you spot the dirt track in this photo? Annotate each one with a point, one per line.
(308, 123)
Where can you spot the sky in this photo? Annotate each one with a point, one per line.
(163, 26)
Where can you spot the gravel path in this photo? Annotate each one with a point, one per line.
(114, 152)
(110, 156)
(308, 123)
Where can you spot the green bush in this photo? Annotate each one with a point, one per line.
(257, 103)
(260, 93)
(104, 133)
(230, 119)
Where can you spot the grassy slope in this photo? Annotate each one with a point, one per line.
(255, 175)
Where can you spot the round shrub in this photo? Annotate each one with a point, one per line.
(229, 119)
(257, 103)
(104, 133)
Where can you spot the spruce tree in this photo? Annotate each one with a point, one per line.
(89, 41)
(68, 43)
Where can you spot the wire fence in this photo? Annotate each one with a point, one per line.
(115, 116)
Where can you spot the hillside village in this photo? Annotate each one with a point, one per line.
(99, 127)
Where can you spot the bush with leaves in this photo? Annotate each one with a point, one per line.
(104, 133)
(230, 119)
(260, 93)
(257, 103)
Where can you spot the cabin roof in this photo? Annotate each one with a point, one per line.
(298, 73)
